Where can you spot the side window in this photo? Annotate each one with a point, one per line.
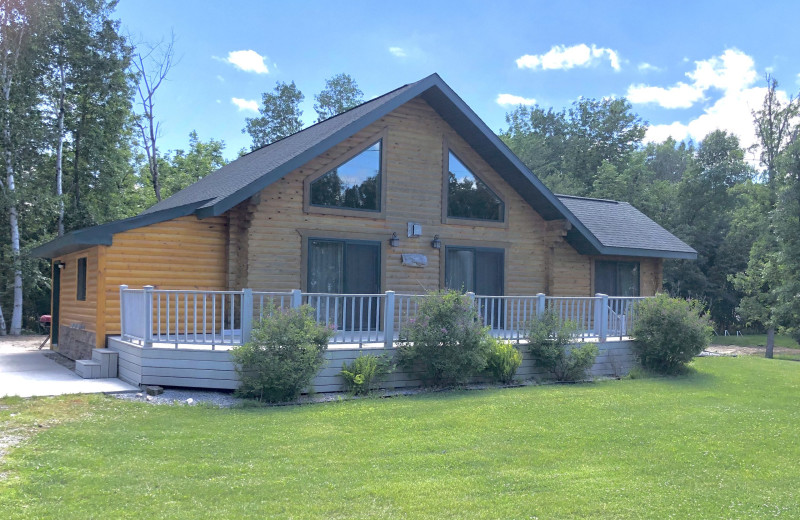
(354, 184)
(616, 278)
(468, 197)
(81, 293)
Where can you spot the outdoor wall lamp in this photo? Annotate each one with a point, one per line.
(394, 241)
(60, 265)
(436, 243)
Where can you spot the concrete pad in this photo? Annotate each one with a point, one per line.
(29, 373)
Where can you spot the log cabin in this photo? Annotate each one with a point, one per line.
(408, 192)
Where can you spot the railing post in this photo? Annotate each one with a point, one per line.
(122, 311)
(601, 316)
(297, 298)
(148, 316)
(388, 320)
(471, 296)
(540, 304)
(247, 314)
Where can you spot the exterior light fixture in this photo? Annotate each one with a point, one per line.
(436, 243)
(60, 265)
(394, 241)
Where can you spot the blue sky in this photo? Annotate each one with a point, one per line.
(689, 67)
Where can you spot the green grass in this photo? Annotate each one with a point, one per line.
(722, 442)
(754, 340)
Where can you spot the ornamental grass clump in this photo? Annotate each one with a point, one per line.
(285, 352)
(669, 332)
(365, 373)
(503, 362)
(445, 343)
(553, 345)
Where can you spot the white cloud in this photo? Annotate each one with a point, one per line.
(220, 79)
(245, 104)
(679, 96)
(564, 58)
(398, 51)
(511, 99)
(648, 67)
(248, 61)
(735, 75)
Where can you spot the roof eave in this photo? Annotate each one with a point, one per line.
(103, 234)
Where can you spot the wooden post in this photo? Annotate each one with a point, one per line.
(540, 305)
(297, 298)
(601, 316)
(148, 316)
(121, 311)
(247, 314)
(388, 320)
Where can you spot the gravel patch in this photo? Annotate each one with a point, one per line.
(222, 399)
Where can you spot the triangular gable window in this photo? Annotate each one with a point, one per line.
(468, 196)
(354, 184)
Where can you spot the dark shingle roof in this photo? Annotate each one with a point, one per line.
(216, 193)
(269, 163)
(618, 225)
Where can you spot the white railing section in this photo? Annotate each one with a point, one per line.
(225, 318)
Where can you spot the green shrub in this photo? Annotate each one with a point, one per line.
(669, 332)
(553, 346)
(364, 373)
(504, 360)
(446, 342)
(285, 352)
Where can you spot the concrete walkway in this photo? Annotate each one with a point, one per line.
(27, 372)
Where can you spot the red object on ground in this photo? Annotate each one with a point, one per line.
(45, 318)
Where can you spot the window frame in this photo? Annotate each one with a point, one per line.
(447, 148)
(306, 235)
(80, 278)
(360, 146)
(617, 262)
(493, 247)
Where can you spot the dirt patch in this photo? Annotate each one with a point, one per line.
(733, 350)
(17, 343)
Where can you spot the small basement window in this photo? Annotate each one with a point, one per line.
(81, 295)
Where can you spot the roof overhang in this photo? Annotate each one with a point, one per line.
(102, 235)
(585, 247)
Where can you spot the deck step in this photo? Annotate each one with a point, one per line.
(87, 369)
(108, 359)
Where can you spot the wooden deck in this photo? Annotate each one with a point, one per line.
(201, 367)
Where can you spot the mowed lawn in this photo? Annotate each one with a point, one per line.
(723, 442)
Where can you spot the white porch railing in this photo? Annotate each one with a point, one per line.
(225, 318)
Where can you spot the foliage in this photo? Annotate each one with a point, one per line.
(280, 115)
(365, 373)
(446, 341)
(553, 346)
(181, 168)
(285, 352)
(631, 435)
(669, 332)
(503, 361)
(341, 93)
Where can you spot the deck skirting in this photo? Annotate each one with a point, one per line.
(198, 368)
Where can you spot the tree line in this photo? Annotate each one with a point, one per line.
(79, 145)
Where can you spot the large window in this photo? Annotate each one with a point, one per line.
(355, 184)
(616, 278)
(469, 197)
(81, 293)
(478, 270)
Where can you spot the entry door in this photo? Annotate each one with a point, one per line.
(346, 267)
(56, 306)
(478, 270)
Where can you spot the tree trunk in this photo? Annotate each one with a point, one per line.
(16, 312)
(770, 342)
(60, 152)
(2, 322)
(76, 184)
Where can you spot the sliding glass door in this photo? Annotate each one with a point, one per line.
(346, 267)
(477, 270)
